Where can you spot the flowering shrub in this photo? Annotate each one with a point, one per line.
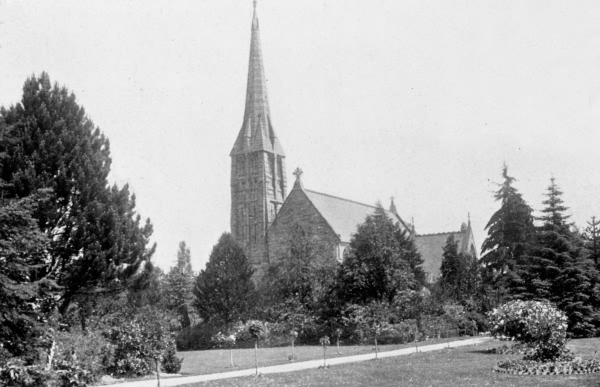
(223, 341)
(530, 367)
(537, 324)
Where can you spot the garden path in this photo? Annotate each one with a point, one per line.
(177, 381)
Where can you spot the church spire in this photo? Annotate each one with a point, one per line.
(257, 133)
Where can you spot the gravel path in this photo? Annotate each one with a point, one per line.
(177, 381)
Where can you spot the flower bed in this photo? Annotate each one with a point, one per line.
(532, 367)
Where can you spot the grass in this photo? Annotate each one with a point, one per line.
(464, 366)
(216, 361)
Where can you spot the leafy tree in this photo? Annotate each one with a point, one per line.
(509, 230)
(381, 261)
(459, 273)
(556, 268)
(97, 240)
(179, 283)
(26, 291)
(224, 291)
(299, 281)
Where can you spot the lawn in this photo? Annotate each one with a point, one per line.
(464, 366)
(216, 361)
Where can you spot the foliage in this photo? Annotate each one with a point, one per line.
(179, 283)
(171, 364)
(509, 231)
(223, 341)
(26, 292)
(380, 262)
(96, 239)
(138, 341)
(460, 275)
(530, 367)
(592, 240)
(224, 291)
(300, 279)
(534, 323)
(556, 268)
(16, 374)
(369, 320)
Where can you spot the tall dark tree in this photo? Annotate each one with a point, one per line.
(557, 269)
(179, 284)
(381, 261)
(460, 274)
(592, 240)
(224, 291)
(26, 292)
(97, 240)
(509, 231)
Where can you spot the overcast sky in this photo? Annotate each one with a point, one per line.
(422, 100)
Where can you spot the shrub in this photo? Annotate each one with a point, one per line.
(171, 364)
(14, 373)
(537, 324)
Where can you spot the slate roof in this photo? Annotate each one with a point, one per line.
(431, 248)
(257, 133)
(344, 215)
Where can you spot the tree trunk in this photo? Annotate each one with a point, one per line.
(157, 372)
(231, 357)
(256, 356)
(376, 349)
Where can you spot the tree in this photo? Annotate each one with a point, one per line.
(224, 291)
(179, 283)
(299, 280)
(509, 230)
(459, 273)
(382, 261)
(592, 240)
(556, 269)
(97, 240)
(26, 291)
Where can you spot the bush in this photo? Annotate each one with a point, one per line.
(537, 324)
(15, 373)
(171, 364)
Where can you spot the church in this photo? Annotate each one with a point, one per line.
(263, 213)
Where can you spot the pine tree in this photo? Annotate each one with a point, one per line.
(224, 291)
(179, 283)
(556, 267)
(97, 240)
(382, 260)
(509, 231)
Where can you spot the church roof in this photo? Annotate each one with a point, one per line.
(344, 215)
(431, 247)
(257, 133)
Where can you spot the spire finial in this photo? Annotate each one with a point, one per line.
(254, 5)
(469, 217)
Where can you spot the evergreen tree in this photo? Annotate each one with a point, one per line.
(509, 231)
(27, 294)
(556, 268)
(592, 240)
(381, 261)
(179, 283)
(97, 241)
(224, 291)
(459, 273)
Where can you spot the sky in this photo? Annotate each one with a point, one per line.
(420, 100)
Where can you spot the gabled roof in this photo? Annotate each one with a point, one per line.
(257, 133)
(431, 247)
(344, 215)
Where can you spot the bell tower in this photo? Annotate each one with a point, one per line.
(258, 179)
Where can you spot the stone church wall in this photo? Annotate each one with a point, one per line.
(298, 210)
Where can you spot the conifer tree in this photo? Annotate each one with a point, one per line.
(224, 291)
(556, 267)
(97, 240)
(509, 230)
(179, 283)
(459, 277)
(592, 240)
(382, 261)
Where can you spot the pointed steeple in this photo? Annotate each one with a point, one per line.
(257, 133)
(393, 206)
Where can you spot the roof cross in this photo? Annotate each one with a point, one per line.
(298, 173)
